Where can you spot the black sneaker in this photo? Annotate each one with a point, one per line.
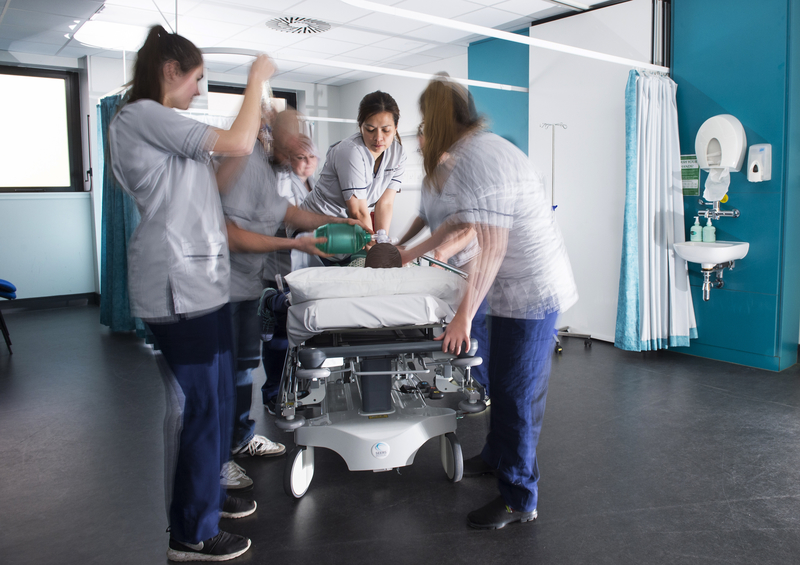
(237, 508)
(272, 406)
(268, 320)
(221, 547)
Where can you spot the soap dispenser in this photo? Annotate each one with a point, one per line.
(709, 232)
(696, 231)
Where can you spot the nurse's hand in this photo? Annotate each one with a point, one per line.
(456, 334)
(356, 222)
(405, 255)
(261, 69)
(309, 245)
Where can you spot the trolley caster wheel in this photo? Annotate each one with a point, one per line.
(452, 460)
(472, 407)
(289, 425)
(587, 343)
(559, 349)
(299, 471)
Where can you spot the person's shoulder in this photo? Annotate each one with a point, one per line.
(349, 148)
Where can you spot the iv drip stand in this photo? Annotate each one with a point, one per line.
(553, 160)
(587, 339)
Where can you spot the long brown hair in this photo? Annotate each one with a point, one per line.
(160, 47)
(376, 103)
(448, 113)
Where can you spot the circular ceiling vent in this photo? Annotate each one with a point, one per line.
(292, 24)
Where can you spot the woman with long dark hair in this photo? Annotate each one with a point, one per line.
(522, 267)
(365, 170)
(179, 278)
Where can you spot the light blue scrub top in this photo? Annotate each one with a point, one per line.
(178, 255)
(348, 171)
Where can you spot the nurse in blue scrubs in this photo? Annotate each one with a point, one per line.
(179, 277)
(524, 272)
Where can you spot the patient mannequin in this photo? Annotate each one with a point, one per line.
(383, 256)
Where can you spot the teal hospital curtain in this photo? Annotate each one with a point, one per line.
(120, 218)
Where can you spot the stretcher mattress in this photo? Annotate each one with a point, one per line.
(337, 298)
(309, 318)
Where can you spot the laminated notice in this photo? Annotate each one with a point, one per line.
(690, 175)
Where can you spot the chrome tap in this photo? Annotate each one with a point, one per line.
(714, 212)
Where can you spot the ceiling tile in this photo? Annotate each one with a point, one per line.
(402, 44)
(135, 17)
(263, 35)
(166, 6)
(13, 33)
(34, 48)
(438, 34)
(441, 8)
(225, 13)
(373, 53)
(415, 60)
(524, 7)
(445, 51)
(347, 33)
(327, 11)
(37, 20)
(379, 23)
(201, 26)
(325, 45)
(488, 17)
(78, 9)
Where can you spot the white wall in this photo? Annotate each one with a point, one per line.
(406, 92)
(588, 96)
(47, 243)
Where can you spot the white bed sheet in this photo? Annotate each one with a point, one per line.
(309, 318)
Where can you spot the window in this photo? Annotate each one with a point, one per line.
(40, 149)
(226, 100)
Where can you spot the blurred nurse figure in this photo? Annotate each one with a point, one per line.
(524, 270)
(363, 173)
(179, 277)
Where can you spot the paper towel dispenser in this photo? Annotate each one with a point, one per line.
(721, 143)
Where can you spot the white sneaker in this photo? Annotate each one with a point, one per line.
(260, 445)
(232, 477)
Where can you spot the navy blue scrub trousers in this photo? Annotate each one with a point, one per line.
(519, 371)
(197, 367)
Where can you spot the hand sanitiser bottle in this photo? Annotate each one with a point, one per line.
(343, 239)
(696, 231)
(709, 232)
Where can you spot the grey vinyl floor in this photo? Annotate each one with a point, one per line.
(645, 459)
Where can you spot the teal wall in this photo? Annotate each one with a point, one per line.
(739, 57)
(496, 60)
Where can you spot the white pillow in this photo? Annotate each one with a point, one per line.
(317, 283)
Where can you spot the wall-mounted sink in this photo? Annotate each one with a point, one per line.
(709, 254)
